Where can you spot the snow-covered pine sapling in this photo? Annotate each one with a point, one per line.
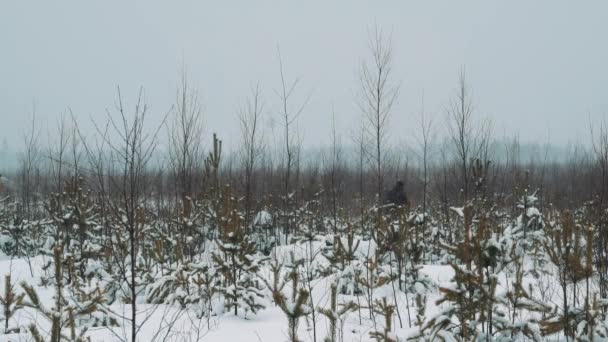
(276, 284)
(521, 299)
(559, 248)
(591, 327)
(528, 231)
(387, 310)
(569, 248)
(78, 316)
(487, 255)
(524, 310)
(190, 236)
(190, 286)
(55, 313)
(3, 203)
(160, 254)
(74, 224)
(420, 309)
(334, 314)
(171, 288)
(421, 287)
(522, 244)
(478, 259)
(21, 238)
(341, 255)
(11, 303)
(206, 286)
(296, 306)
(238, 262)
(372, 277)
(307, 236)
(395, 243)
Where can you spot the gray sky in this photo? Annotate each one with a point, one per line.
(535, 67)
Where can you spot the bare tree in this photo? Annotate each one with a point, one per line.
(130, 151)
(470, 140)
(252, 145)
(57, 154)
(185, 131)
(289, 114)
(359, 142)
(461, 130)
(333, 169)
(442, 184)
(424, 140)
(379, 93)
(29, 169)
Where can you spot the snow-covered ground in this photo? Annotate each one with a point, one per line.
(169, 323)
(161, 322)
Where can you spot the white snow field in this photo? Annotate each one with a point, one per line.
(163, 322)
(169, 323)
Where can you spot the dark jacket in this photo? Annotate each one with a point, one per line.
(396, 195)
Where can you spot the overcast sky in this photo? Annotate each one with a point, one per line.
(537, 68)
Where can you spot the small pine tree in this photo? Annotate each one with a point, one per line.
(296, 306)
(341, 254)
(74, 215)
(192, 285)
(238, 262)
(384, 308)
(521, 299)
(20, 234)
(11, 302)
(590, 325)
(206, 284)
(476, 260)
(334, 314)
(372, 276)
(395, 241)
(190, 236)
(570, 249)
(85, 310)
(171, 288)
